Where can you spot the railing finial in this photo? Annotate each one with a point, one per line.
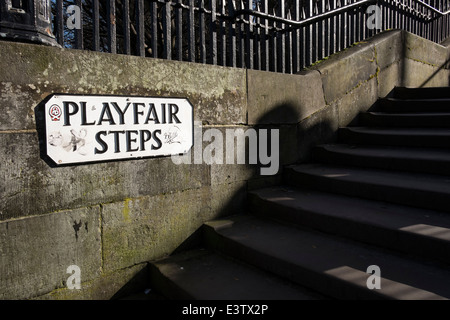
(26, 21)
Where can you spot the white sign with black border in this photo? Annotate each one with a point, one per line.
(84, 128)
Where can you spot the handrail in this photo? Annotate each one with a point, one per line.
(300, 23)
(432, 8)
(234, 14)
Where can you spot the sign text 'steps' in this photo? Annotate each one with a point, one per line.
(98, 128)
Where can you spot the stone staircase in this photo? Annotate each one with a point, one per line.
(379, 196)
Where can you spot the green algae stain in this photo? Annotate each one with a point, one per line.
(126, 210)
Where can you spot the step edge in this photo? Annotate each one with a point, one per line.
(402, 236)
(253, 255)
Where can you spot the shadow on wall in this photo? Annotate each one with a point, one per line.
(444, 66)
(296, 140)
(404, 69)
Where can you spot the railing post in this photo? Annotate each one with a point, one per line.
(26, 21)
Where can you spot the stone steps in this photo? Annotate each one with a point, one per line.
(422, 93)
(202, 274)
(414, 189)
(325, 263)
(394, 105)
(425, 160)
(376, 197)
(421, 120)
(412, 231)
(403, 137)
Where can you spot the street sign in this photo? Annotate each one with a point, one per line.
(84, 128)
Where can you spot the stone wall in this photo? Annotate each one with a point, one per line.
(110, 218)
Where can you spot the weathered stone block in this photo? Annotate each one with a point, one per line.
(225, 151)
(446, 44)
(112, 285)
(358, 100)
(319, 128)
(147, 228)
(31, 187)
(418, 74)
(388, 47)
(275, 98)
(218, 94)
(241, 156)
(228, 199)
(36, 251)
(228, 173)
(17, 102)
(389, 78)
(424, 51)
(344, 71)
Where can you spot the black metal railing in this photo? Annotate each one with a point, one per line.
(282, 36)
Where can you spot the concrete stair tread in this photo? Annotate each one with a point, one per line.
(411, 230)
(404, 153)
(400, 131)
(320, 260)
(383, 214)
(412, 181)
(421, 100)
(413, 105)
(396, 136)
(424, 160)
(408, 114)
(422, 93)
(411, 119)
(426, 191)
(204, 275)
(407, 159)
